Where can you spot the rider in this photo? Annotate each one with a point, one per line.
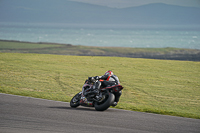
(108, 79)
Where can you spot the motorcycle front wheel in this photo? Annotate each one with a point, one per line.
(75, 101)
(105, 104)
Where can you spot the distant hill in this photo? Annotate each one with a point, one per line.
(63, 11)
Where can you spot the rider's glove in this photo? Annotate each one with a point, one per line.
(96, 77)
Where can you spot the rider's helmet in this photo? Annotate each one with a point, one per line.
(109, 73)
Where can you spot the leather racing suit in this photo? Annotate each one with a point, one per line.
(105, 81)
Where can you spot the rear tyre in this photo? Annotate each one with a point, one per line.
(75, 101)
(105, 104)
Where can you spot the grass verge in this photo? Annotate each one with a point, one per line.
(156, 86)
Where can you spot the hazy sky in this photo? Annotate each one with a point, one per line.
(131, 3)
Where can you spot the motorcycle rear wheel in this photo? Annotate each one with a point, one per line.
(106, 103)
(75, 101)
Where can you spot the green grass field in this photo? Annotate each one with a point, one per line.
(25, 45)
(64, 49)
(156, 86)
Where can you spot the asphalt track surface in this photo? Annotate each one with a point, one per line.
(31, 115)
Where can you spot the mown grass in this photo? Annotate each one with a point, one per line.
(156, 86)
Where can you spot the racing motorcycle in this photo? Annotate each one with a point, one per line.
(101, 100)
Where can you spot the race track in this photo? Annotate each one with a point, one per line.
(30, 115)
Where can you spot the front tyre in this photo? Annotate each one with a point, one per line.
(110, 97)
(75, 101)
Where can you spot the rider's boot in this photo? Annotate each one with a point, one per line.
(97, 90)
(99, 96)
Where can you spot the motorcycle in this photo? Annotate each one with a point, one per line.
(101, 100)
